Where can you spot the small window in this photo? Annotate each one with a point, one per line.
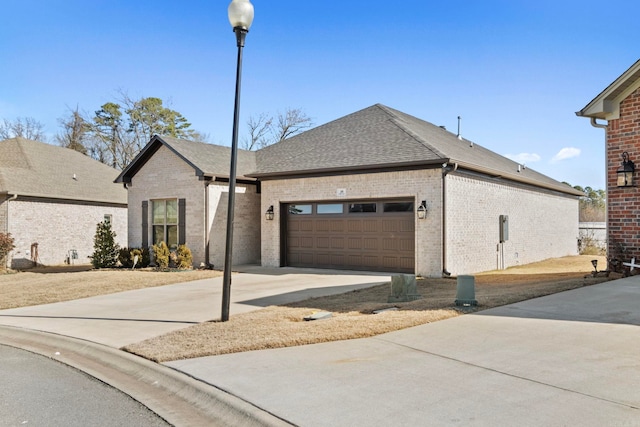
(331, 208)
(398, 207)
(300, 210)
(107, 219)
(362, 207)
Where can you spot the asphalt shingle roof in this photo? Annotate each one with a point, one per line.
(31, 168)
(374, 138)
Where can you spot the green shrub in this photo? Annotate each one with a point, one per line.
(161, 255)
(6, 246)
(124, 257)
(105, 249)
(144, 257)
(184, 259)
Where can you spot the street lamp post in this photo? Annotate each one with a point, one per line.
(240, 17)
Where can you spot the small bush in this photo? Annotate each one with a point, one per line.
(6, 246)
(144, 257)
(124, 257)
(105, 249)
(184, 259)
(161, 256)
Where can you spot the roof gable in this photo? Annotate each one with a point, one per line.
(207, 160)
(36, 169)
(606, 105)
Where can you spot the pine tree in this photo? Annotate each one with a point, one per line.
(105, 248)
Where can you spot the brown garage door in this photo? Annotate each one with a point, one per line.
(359, 235)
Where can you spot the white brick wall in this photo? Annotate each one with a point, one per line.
(541, 225)
(165, 176)
(58, 228)
(417, 185)
(246, 227)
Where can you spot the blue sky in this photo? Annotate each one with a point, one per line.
(515, 71)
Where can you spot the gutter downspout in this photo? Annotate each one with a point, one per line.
(595, 124)
(206, 223)
(14, 197)
(446, 169)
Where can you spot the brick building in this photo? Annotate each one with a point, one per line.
(52, 198)
(619, 105)
(377, 190)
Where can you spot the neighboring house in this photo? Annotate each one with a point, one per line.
(52, 198)
(619, 105)
(348, 195)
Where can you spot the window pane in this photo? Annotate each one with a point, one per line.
(158, 234)
(300, 209)
(362, 207)
(398, 207)
(333, 208)
(172, 211)
(172, 237)
(158, 211)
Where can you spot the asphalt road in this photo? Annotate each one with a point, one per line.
(38, 391)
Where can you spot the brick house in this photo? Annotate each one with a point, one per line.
(51, 199)
(619, 105)
(376, 190)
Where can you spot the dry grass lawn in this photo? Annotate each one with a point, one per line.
(284, 326)
(44, 285)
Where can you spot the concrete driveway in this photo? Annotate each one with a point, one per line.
(570, 359)
(128, 317)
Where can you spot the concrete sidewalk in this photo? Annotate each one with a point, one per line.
(569, 359)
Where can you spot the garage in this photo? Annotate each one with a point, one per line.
(355, 235)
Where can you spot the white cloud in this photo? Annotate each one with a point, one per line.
(524, 158)
(566, 153)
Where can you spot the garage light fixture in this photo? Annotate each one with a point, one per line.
(269, 213)
(422, 210)
(625, 172)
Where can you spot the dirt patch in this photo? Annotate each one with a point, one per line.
(284, 326)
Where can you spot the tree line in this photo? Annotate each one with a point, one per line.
(115, 133)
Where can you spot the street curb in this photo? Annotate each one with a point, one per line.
(179, 399)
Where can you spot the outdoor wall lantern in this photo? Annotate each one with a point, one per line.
(422, 210)
(625, 172)
(269, 213)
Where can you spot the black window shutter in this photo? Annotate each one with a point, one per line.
(145, 224)
(182, 208)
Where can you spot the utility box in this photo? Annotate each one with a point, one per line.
(466, 291)
(504, 228)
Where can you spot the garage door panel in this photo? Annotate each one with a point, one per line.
(370, 244)
(322, 242)
(306, 242)
(354, 226)
(323, 226)
(337, 243)
(305, 226)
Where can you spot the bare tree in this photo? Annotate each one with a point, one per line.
(22, 127)
(291, 122)
(75, 132)
(263, 130)
(259, 129)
